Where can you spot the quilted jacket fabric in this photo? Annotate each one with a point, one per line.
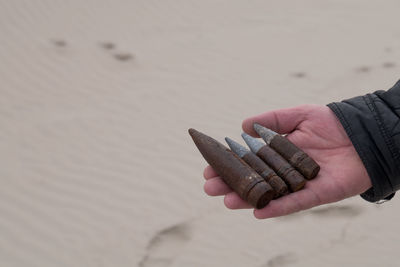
(372, 123)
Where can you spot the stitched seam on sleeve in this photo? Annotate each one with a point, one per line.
(393, 128)
(368, 100)
(383, 130)
(350, 134)
(367, 195)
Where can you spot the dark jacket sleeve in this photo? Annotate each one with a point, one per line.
(372, 123)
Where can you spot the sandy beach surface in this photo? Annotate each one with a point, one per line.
(95, 101)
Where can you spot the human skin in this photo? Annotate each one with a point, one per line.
(316, 130)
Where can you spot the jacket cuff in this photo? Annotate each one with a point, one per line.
(361, 119)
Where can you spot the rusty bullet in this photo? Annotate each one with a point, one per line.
(239, 176)
(294, 155)
(293, 178)
(259, 166)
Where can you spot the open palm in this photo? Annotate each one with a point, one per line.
(316, 130)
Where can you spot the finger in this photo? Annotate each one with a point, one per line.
(216, 187)
(280, 120)
(209, 173)
(301, 200)
(233, 201)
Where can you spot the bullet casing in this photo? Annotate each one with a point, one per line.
(267, 173)
(292, 177)
(239, 176)
(259, 166)
(295, 156)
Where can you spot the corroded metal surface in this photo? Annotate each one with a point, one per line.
(294, 155)
(267, 173)
(239, 176)
(293, 178)
(259, 166)
(237, 148)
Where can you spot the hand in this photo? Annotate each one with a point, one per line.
(317, 131)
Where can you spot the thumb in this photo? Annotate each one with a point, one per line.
(282, 121)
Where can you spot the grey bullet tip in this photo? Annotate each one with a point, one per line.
(253, 143)
(264, 133)
(237, 148)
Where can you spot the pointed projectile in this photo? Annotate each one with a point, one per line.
(252, 142)
(237, 148)
(266, 134)
(259, 166)
(296, 157)
(239, 176)
(284, 170)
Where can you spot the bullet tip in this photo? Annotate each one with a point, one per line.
(191, 131)
(252, 142)
(244, 135)
(236, 147)
(264, 132)
(256, 126)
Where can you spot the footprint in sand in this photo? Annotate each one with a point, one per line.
(123, 56)
(108, 45)
(388, 50)
(389, 65)
(337, 211)
(166, 245)
(280, 260)
(59, 42)
(120, 56)
(299, 75)
(363, 69)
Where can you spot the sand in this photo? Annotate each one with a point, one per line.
(96, 99)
